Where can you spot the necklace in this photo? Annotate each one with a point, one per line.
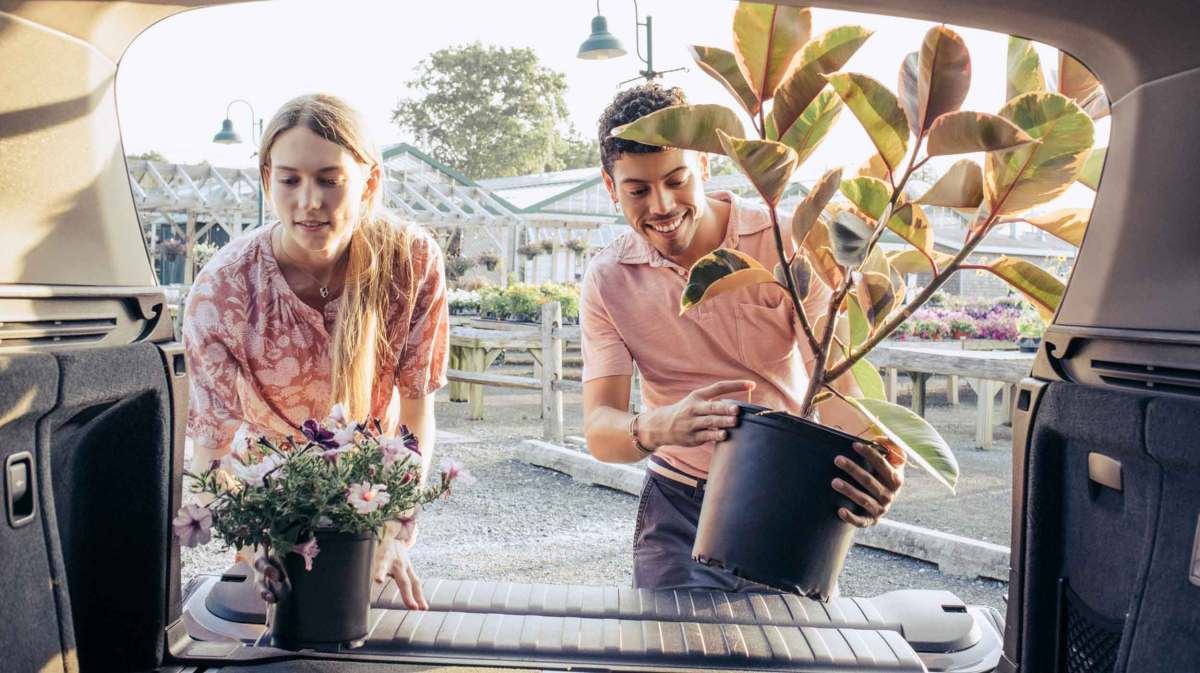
(322, 288)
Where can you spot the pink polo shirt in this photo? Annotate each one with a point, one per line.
(629, 312)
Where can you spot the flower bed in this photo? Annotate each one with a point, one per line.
(1004, 319)
(519, 302)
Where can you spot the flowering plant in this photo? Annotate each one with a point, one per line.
(340, 475)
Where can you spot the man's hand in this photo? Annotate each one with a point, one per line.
(695, 419)
(391, 560)
(876, 489)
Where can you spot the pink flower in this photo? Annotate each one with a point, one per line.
(309, 551)
(455, 472)
(367, 497)
(193, 525)
(393, 449)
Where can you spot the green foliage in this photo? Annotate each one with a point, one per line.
(492, 111)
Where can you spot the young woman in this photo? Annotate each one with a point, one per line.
(335, 303)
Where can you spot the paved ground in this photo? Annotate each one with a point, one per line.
(522, 523)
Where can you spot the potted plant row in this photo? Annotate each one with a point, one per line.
(768, 482)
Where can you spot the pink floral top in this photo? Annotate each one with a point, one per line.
(259, 355)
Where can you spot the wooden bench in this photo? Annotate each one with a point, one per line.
(986, 372)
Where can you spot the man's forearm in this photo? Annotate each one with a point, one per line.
(608, 437)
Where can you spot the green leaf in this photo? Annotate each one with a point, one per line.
(878, 111)
(870, 195)
(912, 261)
(1039, 287)
(850, 235)
(767, 163)
(1068, 224)
(722, 66)
(918, 439)
(1024, 69)
(1078, 83)
(907, 91)
(803, 81)
(688, 127)
(801, 275)
(810, 128)
(723, 270)
(943, 75)
(819, 249)
(765, 39)
(860, 328)
(810, 209)
(1089, 175)
(875, 296)
(1021, 178)
(910, 223)
(963, 132)
(959, 187)
(875, 167)
(866, 375)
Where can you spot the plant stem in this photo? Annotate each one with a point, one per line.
(819, 376)
(791, 282)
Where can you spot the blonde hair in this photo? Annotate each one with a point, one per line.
(379, 262)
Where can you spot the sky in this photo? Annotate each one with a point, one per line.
(175, 81)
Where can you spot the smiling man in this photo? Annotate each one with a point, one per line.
(740, 344)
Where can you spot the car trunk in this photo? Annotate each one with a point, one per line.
(93, 396)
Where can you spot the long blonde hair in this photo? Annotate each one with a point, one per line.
(379, 262)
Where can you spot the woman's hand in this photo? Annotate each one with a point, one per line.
(877, 488)
(391, 560)
(270, 579)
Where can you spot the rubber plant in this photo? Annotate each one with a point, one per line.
(793, 88)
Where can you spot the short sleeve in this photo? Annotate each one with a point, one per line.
(425, 355)
(604, 351)
(213, 415)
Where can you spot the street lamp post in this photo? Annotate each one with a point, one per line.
(228, 136)
(602, 44)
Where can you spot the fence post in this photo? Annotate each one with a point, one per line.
(552, 373)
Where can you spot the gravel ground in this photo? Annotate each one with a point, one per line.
(527, 524)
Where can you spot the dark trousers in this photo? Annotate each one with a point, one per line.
(668, 514)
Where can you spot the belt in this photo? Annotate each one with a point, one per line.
(664, 469)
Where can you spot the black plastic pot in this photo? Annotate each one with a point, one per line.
(770, 511)
(1029, 344)
(327, 606)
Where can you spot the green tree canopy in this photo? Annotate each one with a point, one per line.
(493, 112)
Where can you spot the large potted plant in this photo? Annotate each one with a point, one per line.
(317, 504)
(768, 482)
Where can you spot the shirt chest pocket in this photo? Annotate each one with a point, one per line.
(764, 333)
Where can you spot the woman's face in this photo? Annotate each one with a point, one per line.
(317, 189)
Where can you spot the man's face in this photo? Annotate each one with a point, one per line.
(661, 195)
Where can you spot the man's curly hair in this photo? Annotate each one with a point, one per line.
(630, 105)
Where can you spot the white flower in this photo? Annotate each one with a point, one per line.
(393, 449)
(336, 417)
(242, 443)
(253, 474)
(367, 497)
(345, 436)
(193, 525)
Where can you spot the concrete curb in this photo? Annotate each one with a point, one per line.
(953, 554)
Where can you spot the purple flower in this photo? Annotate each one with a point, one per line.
(318, 435)
(309, 551)
(193, 525)
(410, 440)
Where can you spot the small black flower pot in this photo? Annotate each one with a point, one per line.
(770, 511)
(327, 606)
(1028, 344)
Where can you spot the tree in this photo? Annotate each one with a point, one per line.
(492, 112)
(150, 155)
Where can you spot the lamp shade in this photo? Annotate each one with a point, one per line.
(601, 43)
(227, 136)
